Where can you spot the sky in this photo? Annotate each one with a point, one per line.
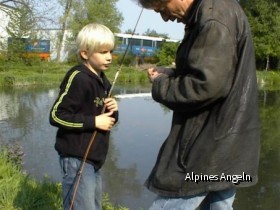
(148, 20)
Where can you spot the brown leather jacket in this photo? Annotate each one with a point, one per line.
(213, 95)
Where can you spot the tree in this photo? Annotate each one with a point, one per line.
(78, 13)
(167, 53)
(43, 12)
(98, 11)
(150, 32)
(67, 4)
(21, 17)
(264, 18)
(21, 21)
(128, 31)
(12, 3)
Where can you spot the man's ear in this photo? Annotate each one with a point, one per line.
(84, 55)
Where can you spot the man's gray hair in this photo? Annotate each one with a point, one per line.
(151, 3)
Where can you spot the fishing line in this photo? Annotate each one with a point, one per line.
(125, 53)
(80, 171)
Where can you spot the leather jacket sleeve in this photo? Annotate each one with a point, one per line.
(204, 73)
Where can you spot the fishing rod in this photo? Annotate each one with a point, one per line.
(92, 139)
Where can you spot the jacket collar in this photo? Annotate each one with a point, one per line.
(86, 70)
(102, 78)
(192, 13)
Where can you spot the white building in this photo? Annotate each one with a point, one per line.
(53, 35)
(4, 20)
(46, 34)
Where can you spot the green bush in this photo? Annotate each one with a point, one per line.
(9, 80)
(166, 55)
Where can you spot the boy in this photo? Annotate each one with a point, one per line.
(77, 114)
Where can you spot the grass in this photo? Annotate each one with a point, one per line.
(21, 192)
(50, 73)
(268, 80)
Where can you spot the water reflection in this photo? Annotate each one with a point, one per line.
(134, 144)
(136, 139)
(265, 195)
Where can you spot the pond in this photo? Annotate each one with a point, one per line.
(134, 144)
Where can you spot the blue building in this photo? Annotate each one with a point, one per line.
(139, 44)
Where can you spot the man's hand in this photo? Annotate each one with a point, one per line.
(152, 74)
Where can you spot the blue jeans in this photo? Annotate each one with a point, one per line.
(89, 193)
(218, 200)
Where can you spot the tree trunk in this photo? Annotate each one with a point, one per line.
(267, 63)
(68, 5)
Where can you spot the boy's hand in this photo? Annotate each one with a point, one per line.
(111, 104)
(104, 121)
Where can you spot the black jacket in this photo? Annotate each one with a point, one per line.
(213, 93)
(80, 100)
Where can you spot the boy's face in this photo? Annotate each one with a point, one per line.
(97, 61)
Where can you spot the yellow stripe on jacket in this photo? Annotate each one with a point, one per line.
(55, 118)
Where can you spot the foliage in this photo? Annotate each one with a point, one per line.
(20, 25)
(129, 75)
(153, 33)
(18, 191)
(20, 73)
(268, 80)
(151, 60)
(128, 60)
(167, 53)
(14, 153)
(43, 13)
(78, 13)
(106, 205)
(50, 73)
(21, 21)
(129, 31)
(264, 18)
(100, 11)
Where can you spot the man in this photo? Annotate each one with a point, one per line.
(213, 145)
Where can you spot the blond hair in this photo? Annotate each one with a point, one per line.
(93, 37)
